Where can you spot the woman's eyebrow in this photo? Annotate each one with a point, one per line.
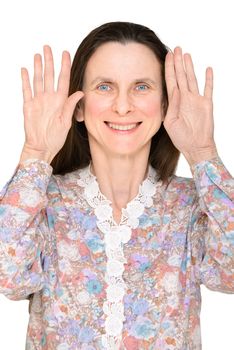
(151, 81)
(101, 79)
(139, 80)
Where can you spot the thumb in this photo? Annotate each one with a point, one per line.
(70, 106)
(173, 107)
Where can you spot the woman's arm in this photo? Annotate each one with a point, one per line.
(213, 233)
(24, 232)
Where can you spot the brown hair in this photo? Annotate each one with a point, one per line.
(75, 153)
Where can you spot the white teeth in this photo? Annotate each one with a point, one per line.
(122, 127)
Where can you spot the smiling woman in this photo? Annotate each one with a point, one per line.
(96, 230)
(101, 62)
(116, 107)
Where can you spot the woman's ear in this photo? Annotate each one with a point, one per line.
(79, 113)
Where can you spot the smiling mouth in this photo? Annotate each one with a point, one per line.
(122, 127)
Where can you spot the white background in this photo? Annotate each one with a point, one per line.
(203, 28)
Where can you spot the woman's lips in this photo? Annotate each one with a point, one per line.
(123, 128)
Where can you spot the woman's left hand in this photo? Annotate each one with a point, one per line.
(189, 118)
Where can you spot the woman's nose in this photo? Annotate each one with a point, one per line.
(122, 103)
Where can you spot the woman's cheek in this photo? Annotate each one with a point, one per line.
(97, 104)
(150, 107)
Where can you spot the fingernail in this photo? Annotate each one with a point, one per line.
(178, 48)
(46, 47)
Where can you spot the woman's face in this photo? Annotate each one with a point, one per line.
(123, 90)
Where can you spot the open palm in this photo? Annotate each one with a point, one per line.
(189, 119)
(47, 113)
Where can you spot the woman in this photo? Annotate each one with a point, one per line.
(96, 229)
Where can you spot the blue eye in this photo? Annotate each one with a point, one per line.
(145, 87)
(103, 85)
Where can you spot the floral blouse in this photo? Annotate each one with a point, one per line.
(95, 284)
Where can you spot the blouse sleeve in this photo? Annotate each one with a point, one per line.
(212, 224)
(24, 230)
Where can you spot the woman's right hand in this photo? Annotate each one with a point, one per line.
(47, 113)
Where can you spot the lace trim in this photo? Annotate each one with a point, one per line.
(115, 236)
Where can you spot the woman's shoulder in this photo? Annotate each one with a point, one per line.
(181, 189)
(66, 186)
(67, 179)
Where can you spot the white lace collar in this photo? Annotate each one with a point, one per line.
(115, 236)
(102, 205)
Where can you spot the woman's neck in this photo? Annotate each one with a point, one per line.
(119, 177)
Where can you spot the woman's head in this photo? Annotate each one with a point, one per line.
(126, 38)
(122, 89)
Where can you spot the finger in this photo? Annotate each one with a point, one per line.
(37, 78)
(208, 90)
(70, 106)
(173, 108)
(64, 76)
(26, 87)
(191, 77)
(170, 75)
(49, 69)
(179, 69)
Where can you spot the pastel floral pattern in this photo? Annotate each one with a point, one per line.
(93, 284)
(115, 236)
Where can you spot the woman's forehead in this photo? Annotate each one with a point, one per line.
(113, 59)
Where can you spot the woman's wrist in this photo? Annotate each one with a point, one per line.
(32, 154)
